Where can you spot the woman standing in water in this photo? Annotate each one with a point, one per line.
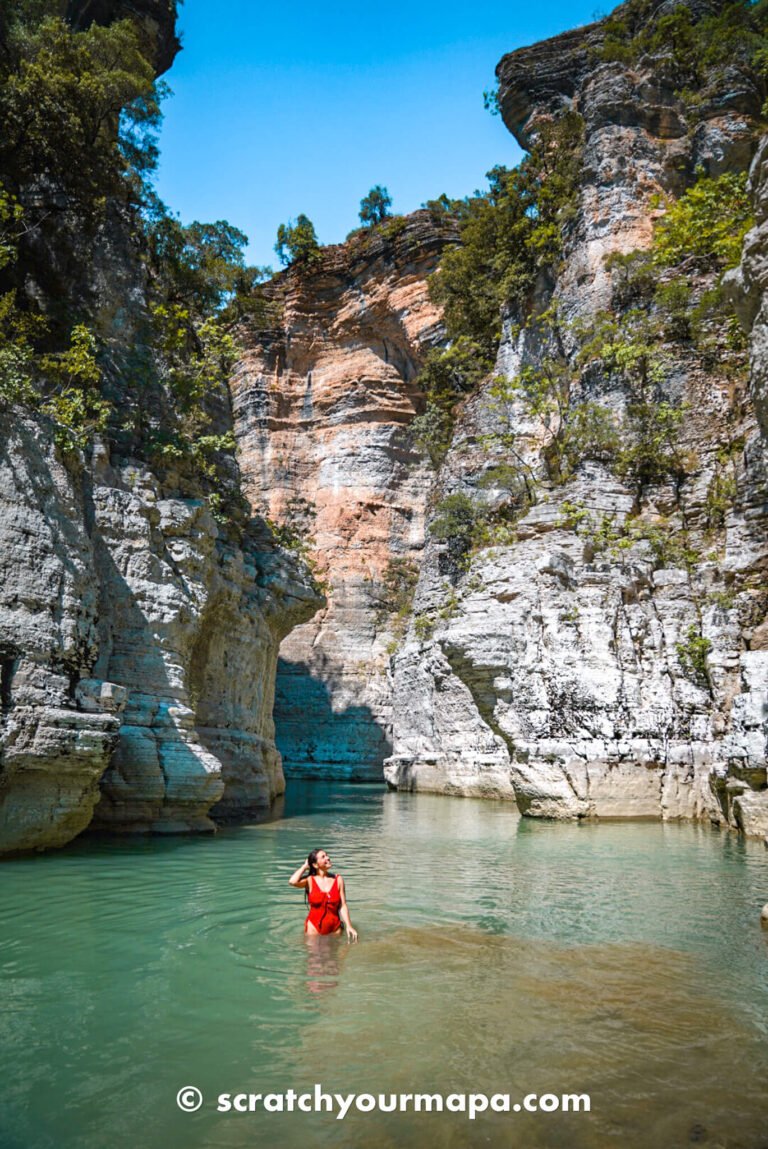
(325, 896)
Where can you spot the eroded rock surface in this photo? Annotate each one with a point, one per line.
(138, 650)
(322, 406)
(554, 669)
(138, 633)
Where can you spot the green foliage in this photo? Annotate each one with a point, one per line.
(423, 627)
(669, 543)
(491, 101)
(393, 227)
(633, 277)
(723, 599)
(605, 534)
(398, 589)
(73, 400)
(294, 530)
(293, 533)
(575, 428)
(455, 523)
(18, 333)
(673, 301)
(653, 453)
(445, 377)
(374, 207)
(197, 355)
(513, 477)
(648, 450)
(723, 489)
(198, 266)
(297, 242)
(692, 653)
(508, 233)
(706, 225)
(442, 208)
(11, 216)
(450, 605)
(693, 50)
(493, 530)
(616, 44)
(80, 110)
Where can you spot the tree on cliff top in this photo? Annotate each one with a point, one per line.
(79, 109)
(297, 242)
(374, 208)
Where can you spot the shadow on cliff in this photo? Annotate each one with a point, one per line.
(129, 654)
(317, 740)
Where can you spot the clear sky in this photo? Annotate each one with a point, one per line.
(302, 107)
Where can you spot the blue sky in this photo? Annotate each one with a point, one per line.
(303, 107)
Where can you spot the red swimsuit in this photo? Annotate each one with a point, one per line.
(324, 908)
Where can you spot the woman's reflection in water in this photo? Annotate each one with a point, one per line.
(325, 954)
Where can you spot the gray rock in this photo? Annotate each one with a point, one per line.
(138, 653)
(561, 669)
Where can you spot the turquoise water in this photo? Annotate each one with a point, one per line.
(495, 955)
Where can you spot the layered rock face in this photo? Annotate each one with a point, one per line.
(138, 634)
(556, 669)
(139, 651)
(322, 406)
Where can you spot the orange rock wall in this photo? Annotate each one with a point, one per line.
(322, 407)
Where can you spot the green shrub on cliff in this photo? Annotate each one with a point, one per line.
(396, 592)
(297, 242)
(455, 524)
(692, 654)
(707, 224)
(374, 207)
(508, 234)
(697, 42)
(70, 391)
(79, 109)
(445, 377)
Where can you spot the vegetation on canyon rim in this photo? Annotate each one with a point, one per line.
(602, 391)
(81, 111)
(668, 310)
(297, 244)
(697, 50)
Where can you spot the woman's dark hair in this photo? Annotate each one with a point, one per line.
(312, 863)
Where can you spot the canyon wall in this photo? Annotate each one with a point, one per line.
(139, 630)
(554, 669)
(139, 651)
(322, 406)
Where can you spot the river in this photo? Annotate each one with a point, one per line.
(496, 955)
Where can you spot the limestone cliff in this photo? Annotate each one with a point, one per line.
(139, 630)
(322, 404)
(556, 669)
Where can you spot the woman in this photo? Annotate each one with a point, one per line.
(325, 896)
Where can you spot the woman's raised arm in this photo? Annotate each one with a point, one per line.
(298, 877)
